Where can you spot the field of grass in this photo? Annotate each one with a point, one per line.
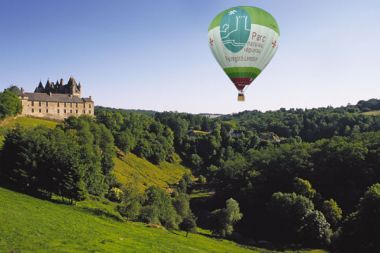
(130, 169)
(373, 113)
(23, 121)
(28, 224)
(27, 122)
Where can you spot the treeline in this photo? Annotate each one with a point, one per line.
(310, 124)
(72, 160)
(368, 105)
(10, 104)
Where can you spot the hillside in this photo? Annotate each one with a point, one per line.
(373, 113)
(130, 169)
(26, 122)
(33, 225)
(23, 121)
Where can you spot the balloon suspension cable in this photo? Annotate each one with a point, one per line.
(241, 97)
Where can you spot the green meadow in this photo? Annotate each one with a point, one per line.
(12, 122)
(28, 224)
(33, 225)
(130, 169)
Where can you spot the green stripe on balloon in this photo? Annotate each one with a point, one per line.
(258, 16)
(233, 70)
(243, 75)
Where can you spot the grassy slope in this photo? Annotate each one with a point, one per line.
(27, 122)
(374, 113)
(130, 169)
(32, 225)
(23, 121)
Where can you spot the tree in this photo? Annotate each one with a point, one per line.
(361, 229)
(10, 104)
(315, 230)
(188, 224)
(184, 183)
(181, 204)
(286, 213)
(131, 206)
(332, 212)
(304, 188)
(158, 208)
(226, 218)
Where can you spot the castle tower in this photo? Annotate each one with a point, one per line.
(73, 86)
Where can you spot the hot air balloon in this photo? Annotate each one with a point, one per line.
(243, 40)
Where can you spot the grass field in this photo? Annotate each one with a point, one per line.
(373, 113)
(23, 121)
(28, 224)
(26, 122)
(32, 225)
(130, 169)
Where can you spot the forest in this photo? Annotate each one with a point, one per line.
(290, 178)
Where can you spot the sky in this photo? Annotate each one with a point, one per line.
(154, 55)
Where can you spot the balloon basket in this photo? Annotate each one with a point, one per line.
(241, 97)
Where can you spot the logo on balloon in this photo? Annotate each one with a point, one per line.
(235, 29)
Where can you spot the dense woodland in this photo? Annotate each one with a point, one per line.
(292, 178)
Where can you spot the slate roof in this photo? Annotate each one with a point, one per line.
(54, 97)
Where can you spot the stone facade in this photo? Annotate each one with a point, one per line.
(56, 101)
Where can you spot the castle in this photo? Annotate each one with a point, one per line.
(56, 101)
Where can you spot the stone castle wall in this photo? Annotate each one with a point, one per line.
(56, 110)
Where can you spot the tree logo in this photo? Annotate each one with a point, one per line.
(235, 29)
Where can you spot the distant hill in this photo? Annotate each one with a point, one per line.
(147, 112)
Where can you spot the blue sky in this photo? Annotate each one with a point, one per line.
(155, 55)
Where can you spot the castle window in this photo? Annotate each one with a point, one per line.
(47, 103)
(76, 105)
(64, 111)
(32, 103)
(84, 112)
(47, 110)
(76, 111)
(89, 111)
(39, 103)
(65, 104)
(39, 110)
(58, 111)
(71, 104)
(32, 110)
(71, 111)
(58, 105)
(89, 105)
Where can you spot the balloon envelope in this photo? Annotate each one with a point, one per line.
(243, 40)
